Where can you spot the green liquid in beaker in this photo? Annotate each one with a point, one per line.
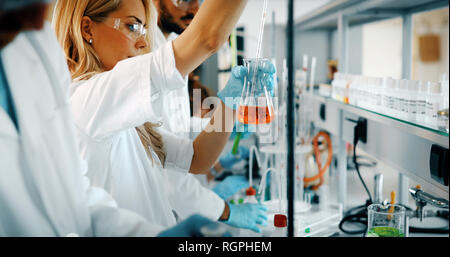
(385, 232)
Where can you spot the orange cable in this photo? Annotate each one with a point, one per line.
(322, 170)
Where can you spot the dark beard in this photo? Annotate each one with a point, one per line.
(166, 22)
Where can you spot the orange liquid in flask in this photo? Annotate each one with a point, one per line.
(255, 115)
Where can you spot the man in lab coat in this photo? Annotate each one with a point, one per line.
(43, 190)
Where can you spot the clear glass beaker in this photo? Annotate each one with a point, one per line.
(256, 106)
(386, 221)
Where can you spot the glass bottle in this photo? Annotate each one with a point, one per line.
(256, 106)
(378, 91)
(422, 102)
(403, 99)
(388, 98)
(435, 101)
(413, 90)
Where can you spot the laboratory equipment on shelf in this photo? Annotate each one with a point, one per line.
(422, 102)
(443, 120)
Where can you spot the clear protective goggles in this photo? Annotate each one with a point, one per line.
(131, 29)
(186, 4)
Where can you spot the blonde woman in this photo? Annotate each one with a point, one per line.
(117, 93)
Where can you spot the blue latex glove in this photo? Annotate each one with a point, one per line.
(248, 216)
(230, 186)
(232, 92)
(227, 161)
(189, 227)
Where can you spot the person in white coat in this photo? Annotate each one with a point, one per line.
(43, 187)
(117, 90)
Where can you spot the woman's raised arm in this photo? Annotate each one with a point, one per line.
(208, 31)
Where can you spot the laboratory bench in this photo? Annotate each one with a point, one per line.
(357, 196)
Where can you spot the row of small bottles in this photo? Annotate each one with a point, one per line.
(421, 102)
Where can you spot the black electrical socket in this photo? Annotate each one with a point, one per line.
(323, 112)
(362, 130)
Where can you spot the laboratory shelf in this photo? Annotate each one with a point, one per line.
(424, 131)
(403, 145)
(363, 11)
(421, 130)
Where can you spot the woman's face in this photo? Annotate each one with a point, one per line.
(114, 41)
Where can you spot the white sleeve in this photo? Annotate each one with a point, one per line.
(108, 220)
(179, 151)
(187, 196)
(127, 96)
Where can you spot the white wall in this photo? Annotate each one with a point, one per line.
(251, 17)
(382, 49)
(382, 46)
(355, 47)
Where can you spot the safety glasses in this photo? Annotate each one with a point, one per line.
(131, 29)
(186, 4)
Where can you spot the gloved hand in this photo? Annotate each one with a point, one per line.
(189, 227)
(248, 216)
(230, 186)
(232, 92)
(227, 161)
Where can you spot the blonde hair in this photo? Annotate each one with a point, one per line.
(82, 59)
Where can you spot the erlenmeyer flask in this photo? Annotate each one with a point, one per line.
(256, 106)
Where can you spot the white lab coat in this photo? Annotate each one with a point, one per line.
(176, 112)
(176, 119)
(107, 108)
(42, 188)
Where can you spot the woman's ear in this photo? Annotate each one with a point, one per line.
(87, 29)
